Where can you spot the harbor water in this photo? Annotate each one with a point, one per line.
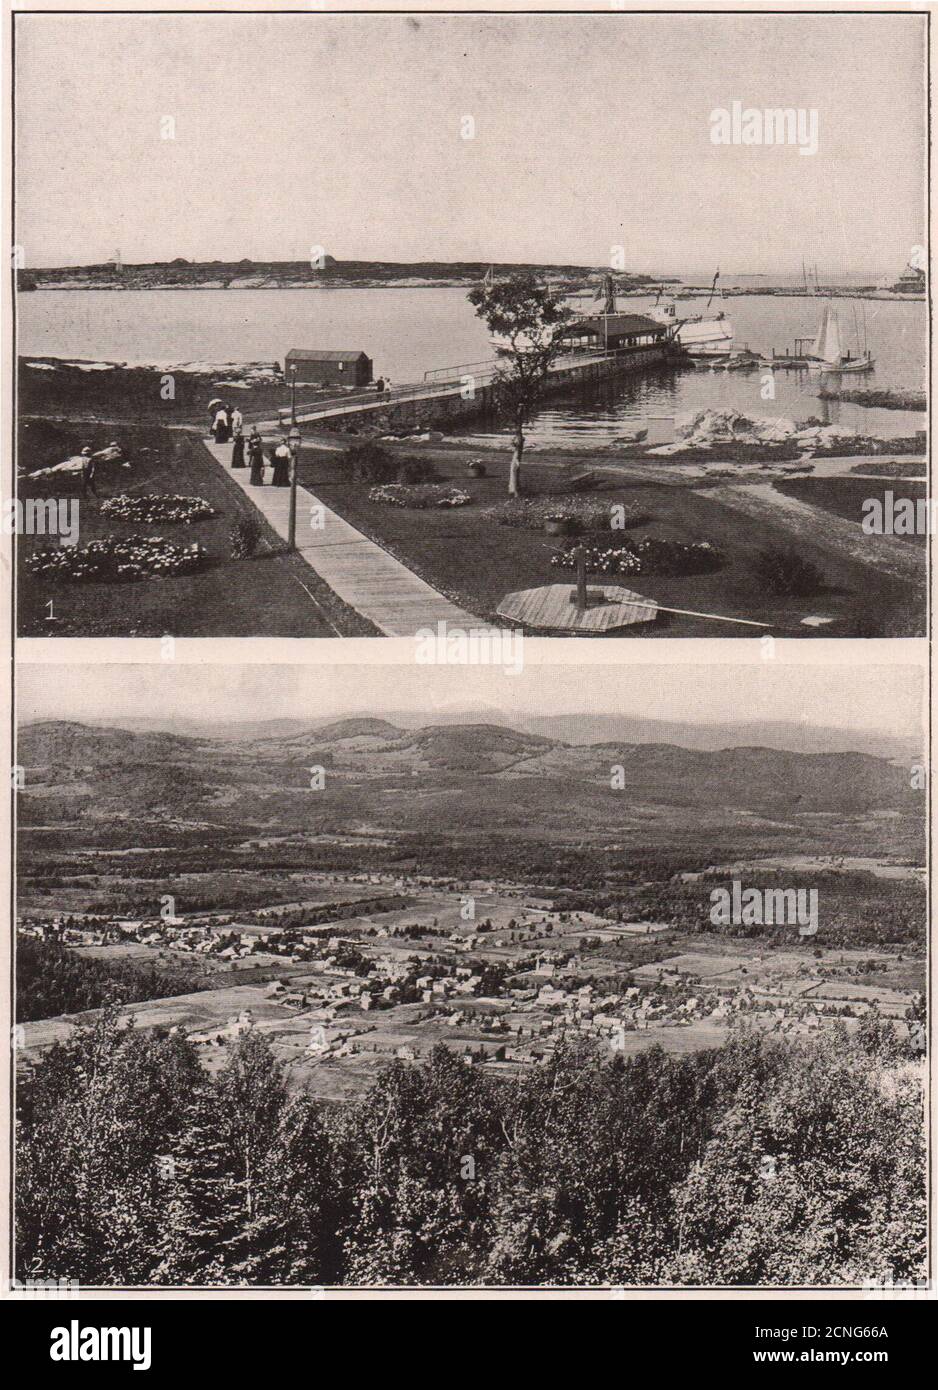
(408, 331)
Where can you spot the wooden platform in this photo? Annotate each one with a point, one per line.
(549, 609)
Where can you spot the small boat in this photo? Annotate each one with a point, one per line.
(743, 361)
(865, 363)
(828, 354)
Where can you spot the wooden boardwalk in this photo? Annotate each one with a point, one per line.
(363, 574)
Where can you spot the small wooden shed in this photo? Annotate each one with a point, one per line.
(325, 367)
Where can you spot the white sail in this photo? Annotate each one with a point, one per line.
(827, 346)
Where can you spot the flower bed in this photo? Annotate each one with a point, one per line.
(580, 513)
(130, 558)
(646, 556)
(419, 495)
(157, 507)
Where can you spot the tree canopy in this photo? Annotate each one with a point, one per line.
(761, 1162)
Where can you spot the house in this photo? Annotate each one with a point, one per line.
(549, 995)
(315, 367)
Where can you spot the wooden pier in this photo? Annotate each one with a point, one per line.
(459, 393)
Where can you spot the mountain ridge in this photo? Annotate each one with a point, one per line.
(592, 729)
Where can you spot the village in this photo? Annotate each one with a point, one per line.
(500, 975)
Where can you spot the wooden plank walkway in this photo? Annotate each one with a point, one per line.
(364, 575)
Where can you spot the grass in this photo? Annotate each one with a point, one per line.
(263, 595)
(137, 394)
(891, 468)
(476, 562)
(845, 496)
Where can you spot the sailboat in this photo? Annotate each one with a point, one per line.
(827, 354)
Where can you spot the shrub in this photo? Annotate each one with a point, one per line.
(646, 556)
(420, 495)
(157, 507)
(245, 537)
(781, 570)
(416, 470)
(370, 463)
(134, 557)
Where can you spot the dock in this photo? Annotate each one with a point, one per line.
(457, 393)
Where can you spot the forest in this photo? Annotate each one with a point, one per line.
(53, 980)
(770, 1162)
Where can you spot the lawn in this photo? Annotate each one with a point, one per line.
(269, 594)
(845, 496)
(475, 561)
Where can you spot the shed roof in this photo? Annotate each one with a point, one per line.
(325, 355)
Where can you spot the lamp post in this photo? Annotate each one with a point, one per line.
(295, 440)
(293, 394)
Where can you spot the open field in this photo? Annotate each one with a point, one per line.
(92, 886)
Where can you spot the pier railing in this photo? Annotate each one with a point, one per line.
(438, 382)
(440, 376)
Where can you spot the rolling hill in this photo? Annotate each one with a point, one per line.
(462, 780)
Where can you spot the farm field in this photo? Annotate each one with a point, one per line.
(362, 1042)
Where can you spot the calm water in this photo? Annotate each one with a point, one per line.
(408, 331)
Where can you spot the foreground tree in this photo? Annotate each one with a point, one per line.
(220, 1165)
(97, 1121)
(528, 321)
(816, 1178)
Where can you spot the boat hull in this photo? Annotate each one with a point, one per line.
(859, 364)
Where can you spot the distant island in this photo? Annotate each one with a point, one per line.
(288, 275)
(245, 274)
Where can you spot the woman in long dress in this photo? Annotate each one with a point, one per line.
(256, 458)
(237, 450)
(281, 476)
(220, 427)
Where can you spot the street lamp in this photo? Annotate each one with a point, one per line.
(295, 439)
(293, 395)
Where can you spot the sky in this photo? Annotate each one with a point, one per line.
(858, 686)
(589, 132)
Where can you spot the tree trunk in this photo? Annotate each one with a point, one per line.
(514, 471)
